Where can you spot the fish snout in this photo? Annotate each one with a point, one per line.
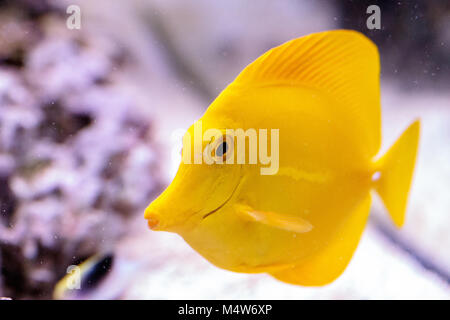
(152, 220)
(153, 215)
(161, 218)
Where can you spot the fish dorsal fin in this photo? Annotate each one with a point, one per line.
(276, 220)
(342, 64)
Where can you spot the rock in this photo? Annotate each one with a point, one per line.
(77, 157)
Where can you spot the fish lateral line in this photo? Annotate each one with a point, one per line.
(311, 176)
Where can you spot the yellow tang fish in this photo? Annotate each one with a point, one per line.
(300, 218)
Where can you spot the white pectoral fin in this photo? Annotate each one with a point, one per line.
(277, 220)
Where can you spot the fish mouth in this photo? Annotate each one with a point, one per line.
(224, 203)
(154, 222)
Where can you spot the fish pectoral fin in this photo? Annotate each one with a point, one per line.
(277, 220)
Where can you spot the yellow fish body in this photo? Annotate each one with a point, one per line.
(301, 222)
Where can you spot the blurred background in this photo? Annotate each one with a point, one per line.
(90, 121)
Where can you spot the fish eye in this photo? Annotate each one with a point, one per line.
(222, 149)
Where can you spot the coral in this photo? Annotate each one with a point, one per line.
(77, 160)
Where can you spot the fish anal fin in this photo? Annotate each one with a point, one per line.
(325, 266)
(277, 220)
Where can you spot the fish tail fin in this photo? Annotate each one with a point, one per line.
(396, 169)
